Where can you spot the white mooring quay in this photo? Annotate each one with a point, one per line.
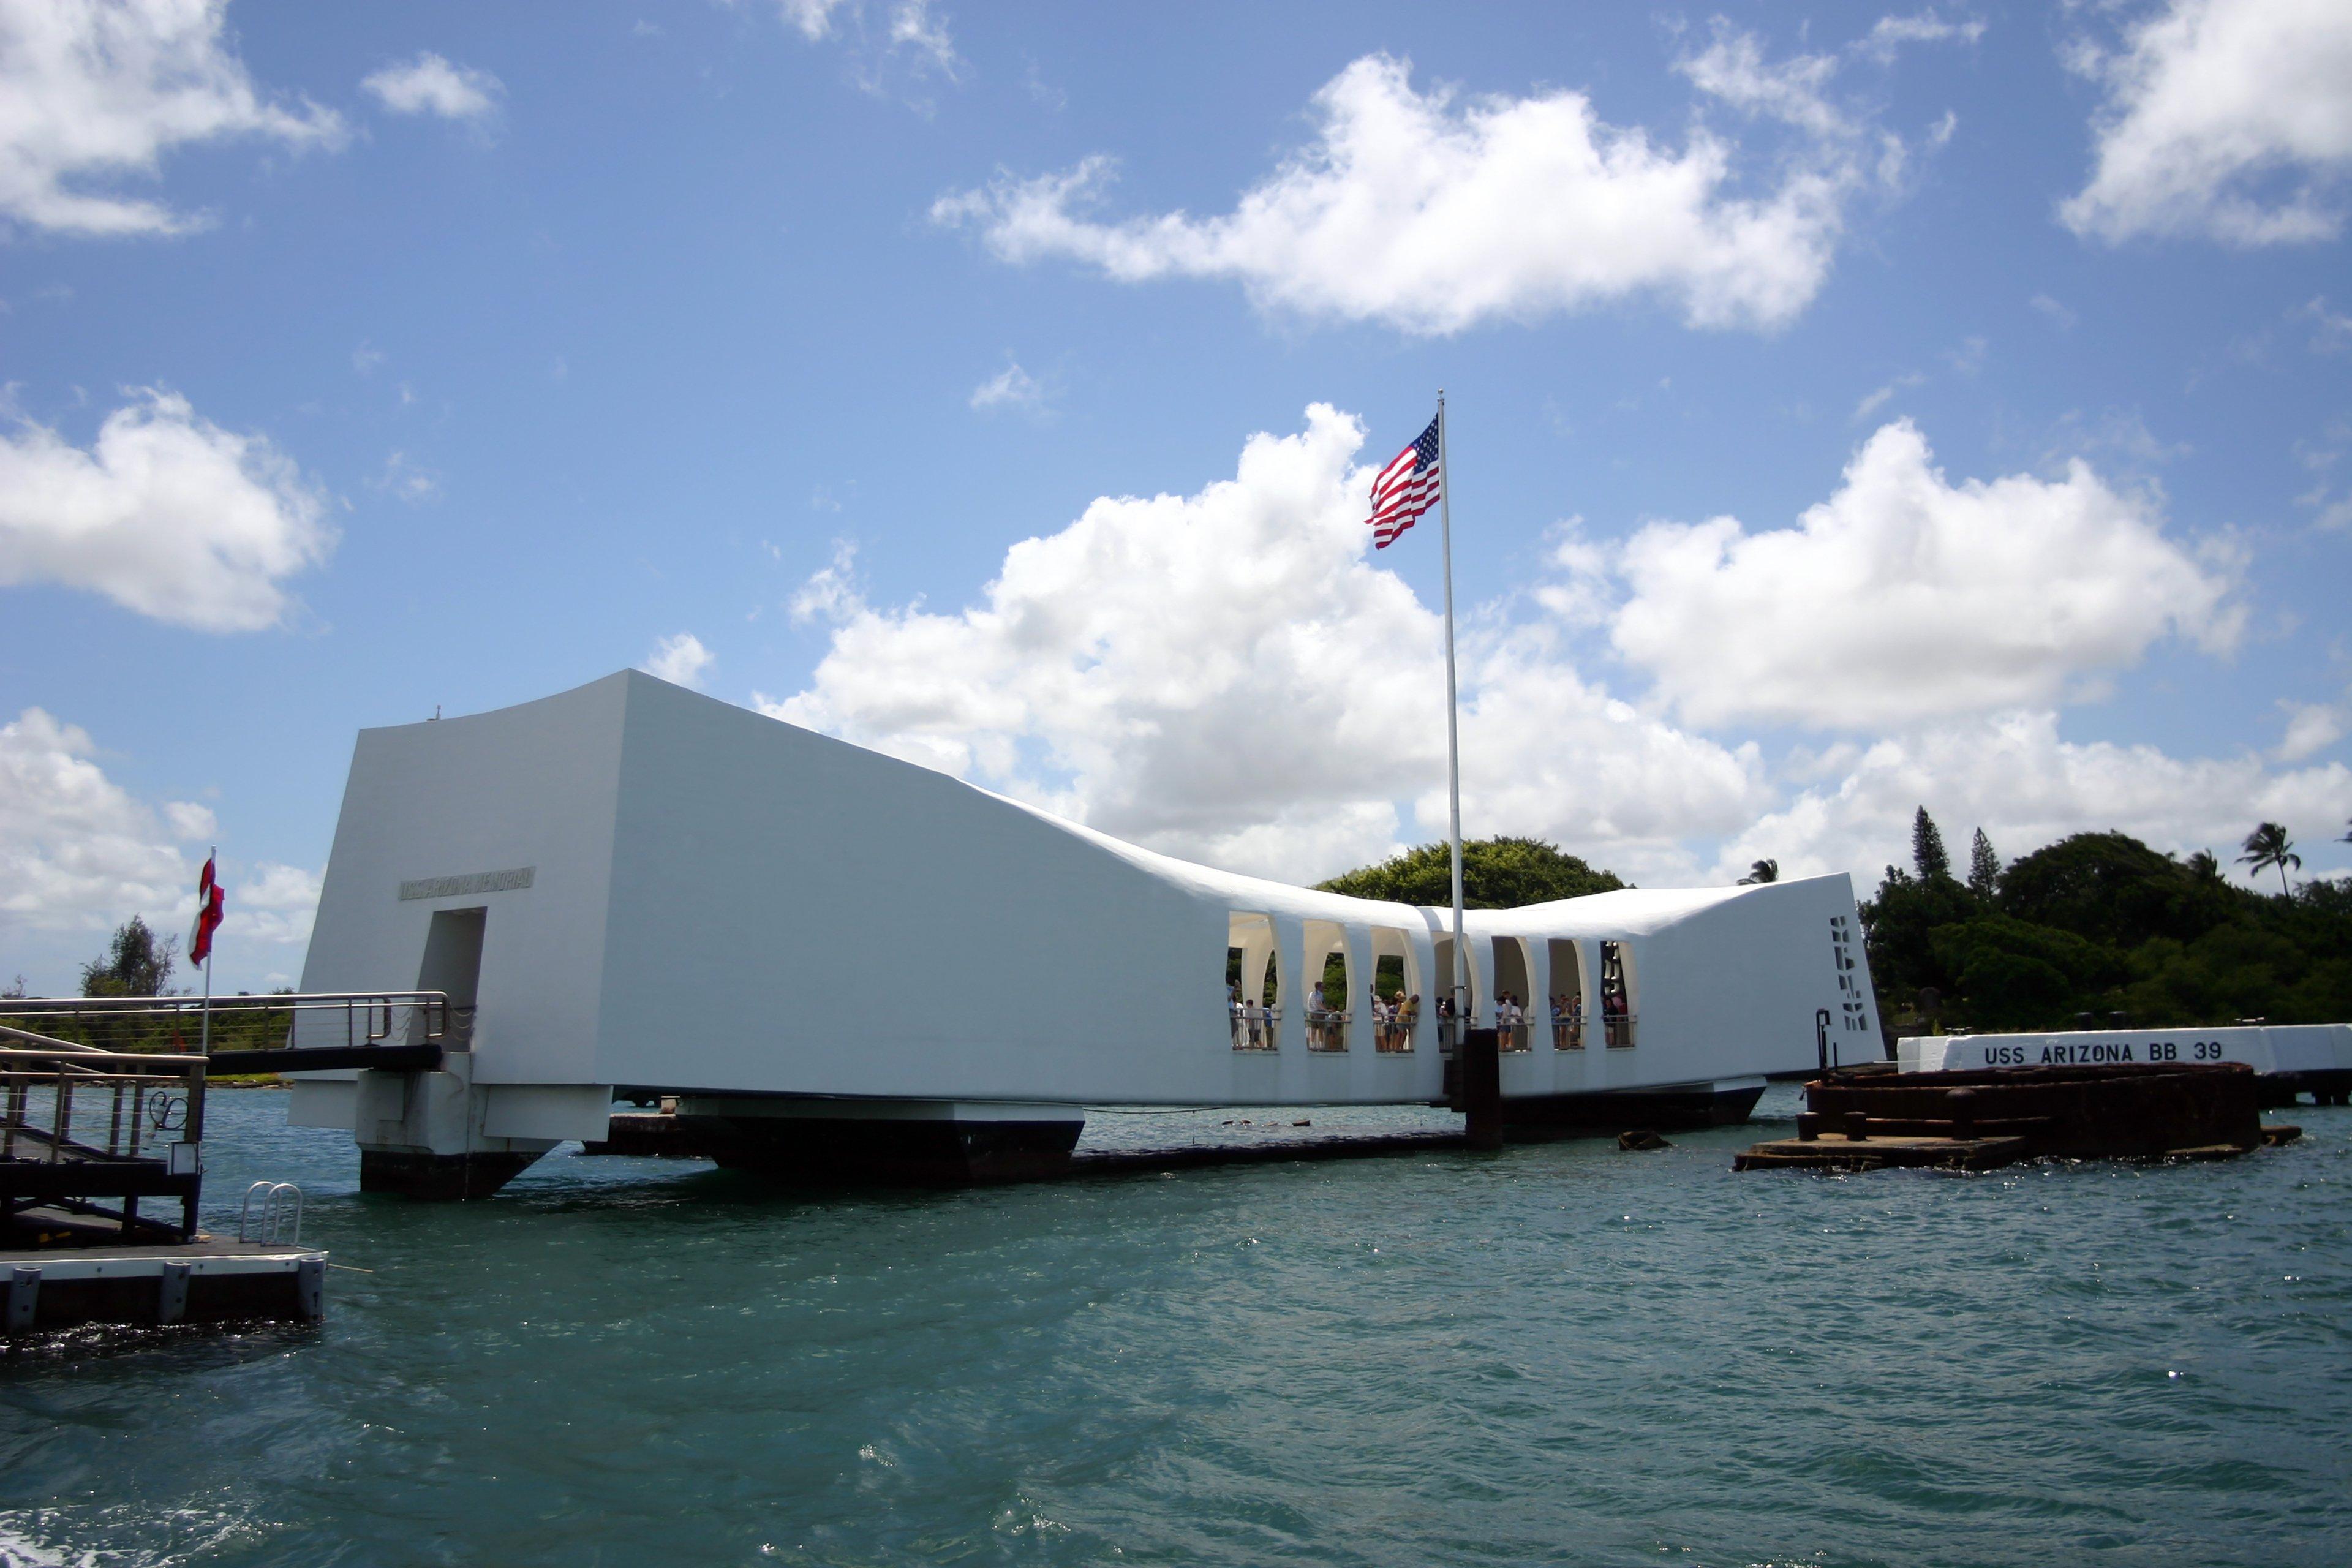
(845, 964)
(2288, 1059)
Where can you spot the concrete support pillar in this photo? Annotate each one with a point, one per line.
(421, 1135)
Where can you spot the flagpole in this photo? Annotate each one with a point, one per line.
(204, 1035)
(1455, 980)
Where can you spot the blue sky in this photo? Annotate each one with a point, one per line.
(1851, 408)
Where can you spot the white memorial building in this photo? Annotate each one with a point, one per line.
(841, 963)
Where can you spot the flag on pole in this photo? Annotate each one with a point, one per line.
(1405, 489)
(209, 915)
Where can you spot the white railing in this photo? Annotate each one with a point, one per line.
(1617, 1030)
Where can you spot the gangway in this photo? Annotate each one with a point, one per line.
(392, 1031)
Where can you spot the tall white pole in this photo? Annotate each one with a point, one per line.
(1458, 980)
(205, 1029)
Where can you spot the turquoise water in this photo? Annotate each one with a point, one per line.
(1556, 1353)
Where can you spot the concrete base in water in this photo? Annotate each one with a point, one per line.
(1654, 1109)
(822, 1150)
(441, 1177)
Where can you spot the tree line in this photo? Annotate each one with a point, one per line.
(2099, 928)
(139, 962)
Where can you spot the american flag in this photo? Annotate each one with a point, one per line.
(1405, 489)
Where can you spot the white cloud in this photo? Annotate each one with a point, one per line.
(1733, 68)
(1009, 387)
(2331, 330)
(2013, 775)
(1433, 215)
(76, 850)
(2225, 118)
(431, 85)
(96, 89)
(915, 27)
(1905, 597)
(1871, 402)
(911, 36)
(1889, 35)
(2060, 315)
(404, 480)
(812, 17)
(2310, 728)
(166, 514)
(679, 660)
(1228, 676)
(1233, 677)
(79, 853)
(272, 903)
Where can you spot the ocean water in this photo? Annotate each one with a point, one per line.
(1554, 1353)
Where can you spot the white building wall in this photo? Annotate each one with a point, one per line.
(528, 787)
(722, 902)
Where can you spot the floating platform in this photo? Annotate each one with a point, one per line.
(206, 1280)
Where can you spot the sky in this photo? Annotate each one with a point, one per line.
(1850, 408)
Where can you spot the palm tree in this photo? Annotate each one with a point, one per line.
(1762, 871)
(2268, 845)
(2204, 868)
(2347, 835)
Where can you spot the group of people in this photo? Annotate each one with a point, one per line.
(1393, 1018)
(1256, 1025)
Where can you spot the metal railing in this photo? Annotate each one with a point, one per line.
(1568, 1031)
(1256, 1028)
(148, 1023)
(1617, 1029)
(73, 1119)
(1392, 1032)
(1511, 1036)
(281, 1214)
(1328, 1030)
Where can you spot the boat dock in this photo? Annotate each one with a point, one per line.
(86, 1135)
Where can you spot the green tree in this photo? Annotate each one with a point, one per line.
(2203, 867)
(1762, 871)
(1496, 874)
(1928, 858)
(2009, 974)
(2110, 887)
(135, 963)
(2268, 845)
(1984, 867)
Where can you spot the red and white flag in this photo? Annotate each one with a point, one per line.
(209, 915)
(1405, 489)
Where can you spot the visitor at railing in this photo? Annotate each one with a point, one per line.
(1255, 1026)
(1510, 1022)
(1327, 1030)
(1393, 1021)
(1616, 1022)
(1567, 1021)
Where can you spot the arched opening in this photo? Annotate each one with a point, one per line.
(1396, 991)
(1253, 983)
(1329, 1001)
(1617, 1014)
(1567, 996)
(1511, 973)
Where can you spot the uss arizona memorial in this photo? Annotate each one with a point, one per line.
(841, 963)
